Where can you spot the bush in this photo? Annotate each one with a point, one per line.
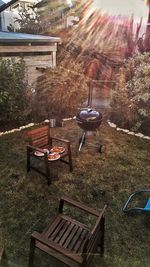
(131, 97)
(14, 105)
(61, 91)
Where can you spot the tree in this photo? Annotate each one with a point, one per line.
(28, 21)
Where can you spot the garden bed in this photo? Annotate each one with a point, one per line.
(27, 202)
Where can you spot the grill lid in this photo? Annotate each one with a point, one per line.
(89, 115)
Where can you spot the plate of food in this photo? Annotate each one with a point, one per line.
(38, 154)
(57, 149)
(41, 154)
(53, 156)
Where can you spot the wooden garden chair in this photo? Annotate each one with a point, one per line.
(69, 240)
(40, 139)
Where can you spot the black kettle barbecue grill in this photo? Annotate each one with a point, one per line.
(88, 119)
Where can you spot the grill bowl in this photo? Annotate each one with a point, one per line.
(89, 119)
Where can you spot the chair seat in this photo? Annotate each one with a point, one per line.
(147, 207)
(62, 155)
(67, 233)
(69, 240)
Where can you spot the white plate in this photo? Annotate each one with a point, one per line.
(40, 154)
(57, 149)
(53, 156)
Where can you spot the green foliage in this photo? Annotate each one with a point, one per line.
(29, 21)
(131, 97)
(13, 91)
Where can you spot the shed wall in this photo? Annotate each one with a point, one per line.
(35, 65)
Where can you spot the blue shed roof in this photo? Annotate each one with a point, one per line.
(13, 37)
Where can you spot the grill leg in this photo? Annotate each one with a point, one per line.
(82, 141)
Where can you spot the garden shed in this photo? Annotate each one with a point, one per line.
(38, 51)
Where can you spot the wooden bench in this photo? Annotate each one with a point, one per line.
(38, 140)
(69, 240)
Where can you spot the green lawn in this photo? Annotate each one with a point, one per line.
(27, 202)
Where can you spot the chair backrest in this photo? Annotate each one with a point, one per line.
(39, 137)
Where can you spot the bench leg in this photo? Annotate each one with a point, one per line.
(31, 254)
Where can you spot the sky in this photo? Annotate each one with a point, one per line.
(137, 8)
(123, 7)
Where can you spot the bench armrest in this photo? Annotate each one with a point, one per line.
(76, 204)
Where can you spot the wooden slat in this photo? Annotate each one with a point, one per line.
(75, 239)
(59, 227)
(82, 225)
(80, 244)
(62, 232)
(52, 226)
(39, 142)
(23, 49)
(38, 135)
(37, 131)
(66, 234)
(71, 236)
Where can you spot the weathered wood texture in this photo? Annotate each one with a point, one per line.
(27, 48)
(35, 65)
(69, 240)
(35, 61)
(38, 140)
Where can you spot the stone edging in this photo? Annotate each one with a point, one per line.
(111, 124)
(27, 126)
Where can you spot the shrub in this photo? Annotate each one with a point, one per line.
(131, 97)
(13, 91)
(61, 91)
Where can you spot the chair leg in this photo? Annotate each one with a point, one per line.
(70, 162)
(101, 244)
(3, 258)
(31, 254)
(47, 172)
(28, 160)
(49, 181)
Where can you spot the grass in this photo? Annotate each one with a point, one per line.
(27, 202)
